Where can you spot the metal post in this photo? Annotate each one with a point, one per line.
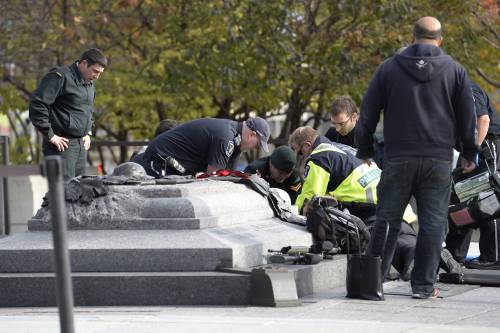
(6, 212)
(54, 173)
(2, 209)
(4, 197)
(4, 141)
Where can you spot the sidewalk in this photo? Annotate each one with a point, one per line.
(475, 310)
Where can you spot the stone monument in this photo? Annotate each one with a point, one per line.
(137, 241)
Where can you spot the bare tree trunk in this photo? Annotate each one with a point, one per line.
(224, 107)
(294, 113)
(25, 132)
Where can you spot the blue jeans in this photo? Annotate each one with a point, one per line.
(429, 181)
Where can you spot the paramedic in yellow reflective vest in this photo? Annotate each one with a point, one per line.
(333, 169)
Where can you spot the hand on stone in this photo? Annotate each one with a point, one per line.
(60, 142)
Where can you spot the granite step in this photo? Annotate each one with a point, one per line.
(128, 288)
(151, 250)
(227, 287)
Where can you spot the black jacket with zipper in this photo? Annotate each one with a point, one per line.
(63, 103)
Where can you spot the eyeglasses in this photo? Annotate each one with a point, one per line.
(343, 123)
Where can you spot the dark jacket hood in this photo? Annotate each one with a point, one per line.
(423, 62)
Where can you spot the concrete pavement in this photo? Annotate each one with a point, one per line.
(475, 310)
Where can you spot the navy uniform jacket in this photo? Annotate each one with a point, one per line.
(291, 185)
(63, 104)
(483, 107)
(198, 144)
(335, 136)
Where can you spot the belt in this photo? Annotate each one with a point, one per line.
(166, 164)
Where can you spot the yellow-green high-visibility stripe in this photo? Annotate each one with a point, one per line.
(316, 183)
(360, 185)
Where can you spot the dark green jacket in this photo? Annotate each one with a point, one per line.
(62, 104)
(292, 185)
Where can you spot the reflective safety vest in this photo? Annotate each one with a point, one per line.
(333, 170)
(330, 170)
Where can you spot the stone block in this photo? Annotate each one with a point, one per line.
(125, 289)
(152, 250)
(25, 198)
(184, 206)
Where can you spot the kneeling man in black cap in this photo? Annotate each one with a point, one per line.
(279, 171)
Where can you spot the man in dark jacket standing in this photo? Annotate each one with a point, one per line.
(427, 102)
(61, 109)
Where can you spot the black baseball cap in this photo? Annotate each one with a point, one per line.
(284, 158)
(261, 127)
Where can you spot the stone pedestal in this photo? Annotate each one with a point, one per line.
(163, 239)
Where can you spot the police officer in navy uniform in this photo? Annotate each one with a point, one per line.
(279, 171)
(458, 239)
(203, 145)
(61, 109)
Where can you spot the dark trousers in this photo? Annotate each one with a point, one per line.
(458, 241)
(74, 157)
(405, 245)
(429, 181)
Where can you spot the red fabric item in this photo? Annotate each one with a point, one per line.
(224, 173)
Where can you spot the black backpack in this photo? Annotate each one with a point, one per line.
(327, 223)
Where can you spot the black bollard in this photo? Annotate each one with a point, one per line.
(4, 142)
(53, 171)
(4, 196)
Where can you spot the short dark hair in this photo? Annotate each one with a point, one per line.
(165, 125)
(343, 104)
(94, 56)
(421, 32)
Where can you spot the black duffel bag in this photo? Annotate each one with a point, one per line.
(328, 223)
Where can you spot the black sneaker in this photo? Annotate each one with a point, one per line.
(482, 264)
(433, 295)
(449, 264)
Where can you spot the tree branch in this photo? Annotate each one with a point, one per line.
(487, 78)
(20, 87)
(109, 131)
(486, 25)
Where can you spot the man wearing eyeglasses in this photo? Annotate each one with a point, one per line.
(203, 145)
(344, 116)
